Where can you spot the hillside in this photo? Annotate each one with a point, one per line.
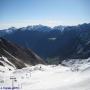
(18, 56)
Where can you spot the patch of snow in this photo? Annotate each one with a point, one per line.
(52, 38)
(7, 63)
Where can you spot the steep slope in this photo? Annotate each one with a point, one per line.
(18, 56)
(5, 63)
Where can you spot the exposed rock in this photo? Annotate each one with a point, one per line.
(17, 55)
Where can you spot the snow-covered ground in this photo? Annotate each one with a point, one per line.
(47, 77)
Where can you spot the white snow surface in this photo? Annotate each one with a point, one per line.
(7, 64)
(48, 77)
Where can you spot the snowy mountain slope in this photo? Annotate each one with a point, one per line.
(6, 63)
(49, 77)
(7, 31)
(77, 64)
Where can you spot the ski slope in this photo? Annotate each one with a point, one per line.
(47, 77)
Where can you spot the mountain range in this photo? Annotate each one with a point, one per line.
(64, 42)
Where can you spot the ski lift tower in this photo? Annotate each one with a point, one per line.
(13, 79)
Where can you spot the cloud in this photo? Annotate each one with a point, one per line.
(24, 23)
(51, 23)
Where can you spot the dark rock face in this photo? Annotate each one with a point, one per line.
(17, 55)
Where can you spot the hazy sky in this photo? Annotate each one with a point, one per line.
(21, 13)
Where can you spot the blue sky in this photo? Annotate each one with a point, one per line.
(21, 13)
